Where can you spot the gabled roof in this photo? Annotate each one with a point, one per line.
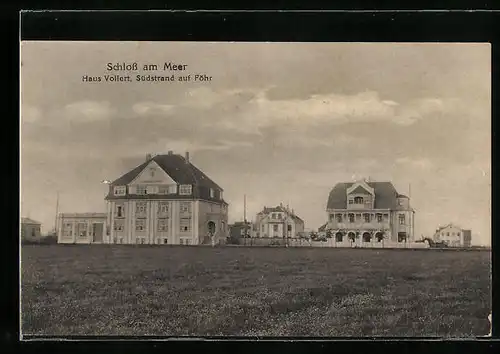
(280, 208)
(385, 195)
(322, 227)
(447, 226)
(360, 190)
(176, 167)
(30, 221)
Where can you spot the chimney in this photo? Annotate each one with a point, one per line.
(148, 157)
(170, 152)
(187, 157)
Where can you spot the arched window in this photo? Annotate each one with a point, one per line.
(358, 200)
(351, 217)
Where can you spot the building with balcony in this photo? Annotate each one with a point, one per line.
(278, 221)
(369, 212)
(81, 228)
(453, 236)
(166, 200)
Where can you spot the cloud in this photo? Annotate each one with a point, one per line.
(145, 108)
(419, 163)
(85, 111)
(249, 110)
(30, 114)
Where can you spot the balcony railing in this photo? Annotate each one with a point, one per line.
(359, 225)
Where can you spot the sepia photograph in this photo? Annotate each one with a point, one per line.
(255, 189)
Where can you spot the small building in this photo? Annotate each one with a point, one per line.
(453, 236)
(81, 228)
(240, 229)
(278, 221)
(31, 230)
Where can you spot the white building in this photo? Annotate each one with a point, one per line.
(453, 236)
(277, 221)
(81, 228)
(166, 200)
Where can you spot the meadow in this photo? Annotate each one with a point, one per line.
(243, 291)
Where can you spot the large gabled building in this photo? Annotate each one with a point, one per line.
(365, 212)
(166, 200)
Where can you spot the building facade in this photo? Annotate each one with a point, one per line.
(31, 230)
(240, 229)
(277, 221)
(453, 236)
(82, 228)
(166, 200)
(368, 212)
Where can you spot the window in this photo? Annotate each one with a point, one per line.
(275, 228)
(172, 189)
(188, 242)
(68, 230)
(120, 240)
(119, 211)
(140, 208)
(181, 241)
(401, 219)
(120, 190)
(165, 241)
(151, 189)
(141, 190)
(289, 227)
(447, 234)
(458, 234)
(400, 202)
(163, 224)
(185, 207)
(140, 224)
(163, 208)
(118, 225)
(358, 200)
(339, 217)
(82, 230)
(212, 193)
(351, 217)
(280, 216)
(263, 228)
(351, 201)
(379, 217)
(273, 216)
(367, 217)
(220, 195)
(142, 241)
(185, 224)
(185, 189)
(33, 233)
(163, 189)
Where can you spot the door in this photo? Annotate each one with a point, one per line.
(97, 232)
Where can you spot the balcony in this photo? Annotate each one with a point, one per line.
(362, 225)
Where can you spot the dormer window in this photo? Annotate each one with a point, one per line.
(212, 193)
(141, 190)
(185, 189)
(358, 200)
(119, 190)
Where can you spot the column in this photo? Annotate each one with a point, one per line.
(73, 231)
(90, 238)
(112, 222)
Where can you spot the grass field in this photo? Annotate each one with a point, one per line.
(237, 291)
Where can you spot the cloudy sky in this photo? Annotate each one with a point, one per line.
(279, 122)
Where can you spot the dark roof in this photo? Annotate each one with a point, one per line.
(322, 227)
(402, 196)
(280, 208)
(360, 190)
(176, 167)
(29, 221)
(385, 195)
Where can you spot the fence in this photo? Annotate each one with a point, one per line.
(294, 242)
